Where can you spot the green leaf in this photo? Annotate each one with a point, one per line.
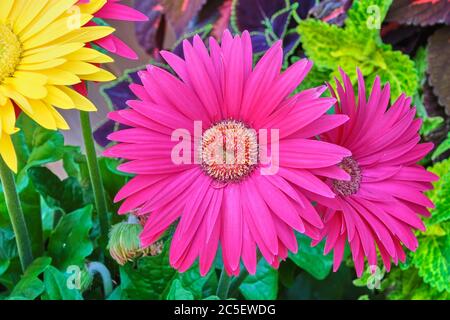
(194, 282)
(440, 194)
(443, 147)
(65, 196)
(57, 286)
(70, 243)
(30, 286)
(261, 286)
(367, 16)
(312, 259)
(149, 278)
(178, 292)
(432, 259)
(35, 145)
(357, 45)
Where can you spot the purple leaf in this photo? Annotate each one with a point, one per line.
(331, 11)
(149, 33)
(420, 12)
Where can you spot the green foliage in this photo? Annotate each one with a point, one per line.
(261, 286)
(443, 147)
(359, 44)
(56, 287)
(312, 259)
(427, 272)
(178, 292)
(30, 286)
(70, 243)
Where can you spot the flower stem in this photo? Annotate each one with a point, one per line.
(98, 267)
(224, 285)
(236, 283)
(16, 215)
(95, 176)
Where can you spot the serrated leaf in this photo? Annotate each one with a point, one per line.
(358, 45)
(432, 259)
(440, 194)
(367, 16)
(178, 292)
(261, 286)
(312, 259)
(69, 243)
(57, 288)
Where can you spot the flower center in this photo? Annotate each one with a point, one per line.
(229, 151)
(347, 188)
(10, 52)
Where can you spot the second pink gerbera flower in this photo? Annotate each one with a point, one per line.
(377, 208)
(233, 204)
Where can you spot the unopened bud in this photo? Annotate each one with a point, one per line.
(124, 243)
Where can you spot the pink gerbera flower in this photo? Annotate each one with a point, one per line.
(244, 203)
(114, 10)
(379, 204)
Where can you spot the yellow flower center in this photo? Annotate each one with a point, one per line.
(229, 151)
(10, 52)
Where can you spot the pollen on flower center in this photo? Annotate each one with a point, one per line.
(10, 52)
(347, 188)
(229, 151)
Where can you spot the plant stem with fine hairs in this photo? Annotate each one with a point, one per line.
(16, 215)
(96, 178)
(224, 285)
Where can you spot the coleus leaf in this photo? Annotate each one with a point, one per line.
(420, 12)
(148, 32)
(331, 11)
(359, 44)
(439, 195)
(432, 259)
(223, 21)
(180, 13)
(269, 21)
(439, 67)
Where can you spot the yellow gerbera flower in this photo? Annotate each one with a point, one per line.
(43, 51)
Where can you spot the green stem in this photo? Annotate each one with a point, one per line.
(16, 215)
(96, 178)
(236, 283)
(224, 285)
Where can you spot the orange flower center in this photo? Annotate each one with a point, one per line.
(229, 151)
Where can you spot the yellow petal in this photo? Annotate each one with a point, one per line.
(93, 6)
(87, 34)
(19, 99)
(42, 66)
(42, 115)
(27, 89)
(53, 31)
(59, 120)
(60, 77)
(5, 8)
(50, 52)
(58, 98)
(100, 76)
(52, 11)
(29, 12)
(80, 101)
(7, 152)
(79, 67)
(89, 55)
(8, 117)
